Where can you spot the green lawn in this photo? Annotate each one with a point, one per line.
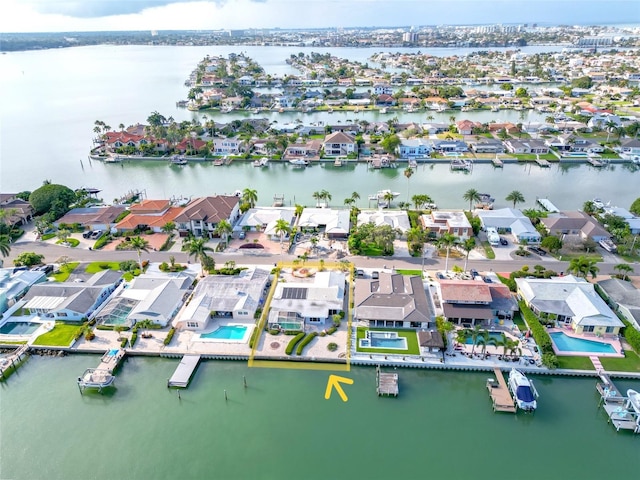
(71, 242)
(410, 272)
(95, 267)
(519, 321)
(532, 156)
(630, 363)
(61, 336)
(575, 363)
(65, 271)
(371, 251)
(488, 251)
(411, 336)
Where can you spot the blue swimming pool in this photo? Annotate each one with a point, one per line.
(497, 336)
(565, 343)
(385, 340)
(227, 332)
(19, 328)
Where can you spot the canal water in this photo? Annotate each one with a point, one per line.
(50, 100)
(280, 426)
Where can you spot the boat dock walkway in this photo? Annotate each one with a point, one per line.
(387, 383)
(182, 376)
(497, 162)
(111, 360)
(547, 205)
(543, 163)
(13, 360)
(499, 392)
(618, 407)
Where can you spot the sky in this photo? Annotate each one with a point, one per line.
(113, 15)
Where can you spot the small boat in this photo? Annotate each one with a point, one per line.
(485, 201)
(460, 164)
(597, 203)
(220, 161)
(523, 390)
(413, 163)
(96, 378)
(384, 110)
(495, 108)
(263, 162)
(256, 110)
(299, 162)
(634, 400)
(330, 110)
(178, 160)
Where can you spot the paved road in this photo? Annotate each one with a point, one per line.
(53, 253)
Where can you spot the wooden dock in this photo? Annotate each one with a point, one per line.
(543, 163)
(278, 200)
(497, 162)
(182, 376)
(12, 361)
(595, 162)
(499, 392)
(387, 383)
(111, 360)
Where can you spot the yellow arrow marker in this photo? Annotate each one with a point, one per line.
(334, 382)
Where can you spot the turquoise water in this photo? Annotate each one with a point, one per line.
(495, 335)
(19, 328)
(227, 332)
(564, 343)
(442, 423)
(290, 325)
(380, 340)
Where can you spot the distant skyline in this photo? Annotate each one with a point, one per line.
(123, 15)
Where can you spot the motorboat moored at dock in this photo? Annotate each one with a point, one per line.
(524, 392)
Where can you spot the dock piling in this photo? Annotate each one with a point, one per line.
(225, 396)
(244, 381)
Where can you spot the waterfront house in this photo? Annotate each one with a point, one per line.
(625, 296)
(571, 302)
(14, 285)
(486, 145)
(439, 222)
(307, 301)
(71, 301)
(306, 151)
(510, 220)
(225, 297)
(393, 300)
(339, 144)
(148, 215)
(526, 146)
(332, 222)
(92, 218)
(202, 215)
(190, 144)
(265, 219)
(574, 223)
(227, 146)
(444, 146)
(382, 89)
(396, 219)
(474, 302)
(630, 146)
(156, 297)
(18, 211)
(508, 127)
(629, 218)
(385, 100)
(465, 127)
(414, 148)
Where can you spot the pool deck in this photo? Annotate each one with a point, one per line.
(613, 341)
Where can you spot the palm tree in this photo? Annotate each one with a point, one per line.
(224, 229)
(5, 245)
(468, 245)
(349, 201)
(485, 340)
(317, 196)
(282, 228)
(583, 266)
(623, 269)
(140, 245)
(516, 197)
(471, 196)
(610, 127)
(388, 198)
(197, 247)
(355, 196)
(447, 240)
(169, 228)
(63, 235)
(475, 334)
(408, 172)
(326, 196)
(250, 196)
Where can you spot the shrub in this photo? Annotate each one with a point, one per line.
(631, 335)
(332, 330)
(124, 342)
(274, 331)
(332, 347)
(323, 333)
(293, 342)
(550, 361)
(254, 337)
(101, 242)
(540, 334)
(291, 332)
(89, 335)
(305, 342)
(134, 338)
(169, 336)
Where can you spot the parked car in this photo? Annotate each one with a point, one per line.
(242, 235)
(97, 234)
(359, 273)
(375, 275)
(440, 276)
(504, 241)
(87, 234)
(487, 280)
(47, 269)
(473, 272)
(537, 250)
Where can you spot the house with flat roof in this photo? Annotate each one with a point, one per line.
(571, 301)
(306, 302)
(393, 300)
(474, 302)
(575, 223)
(510, 220)
(396, 219)
(13, 286)
(625, 296)
(71, 301)
(231, 297)
(150, 296)
(333, 222)
(442, 221)
(265, 219)
(202, 215)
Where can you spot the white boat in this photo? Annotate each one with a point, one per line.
(634, 400)
(299, 162)
(381, 194)
(263, 162)
(524, 392)
(460, 164)
(485, 201)
(384, 110)
(96, 378)
(178, 160)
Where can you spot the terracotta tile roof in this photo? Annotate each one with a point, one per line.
(465, 291)
(149, 206)
(132, 220)
(339, 137)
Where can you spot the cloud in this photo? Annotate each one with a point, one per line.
(106, 8)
